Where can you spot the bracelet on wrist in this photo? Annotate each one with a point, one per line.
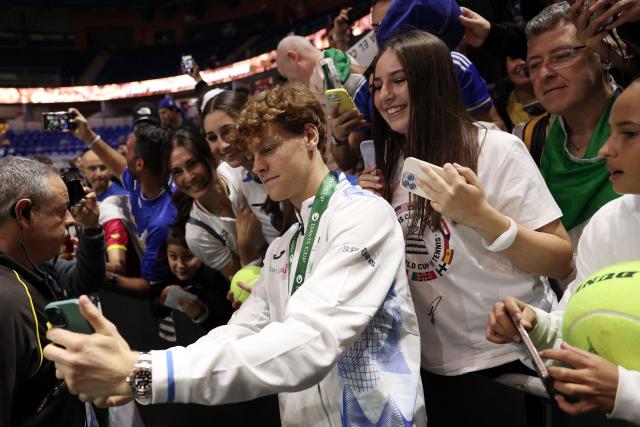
(505, 240)
(92, 143)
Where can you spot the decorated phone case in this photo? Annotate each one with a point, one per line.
(411, 173)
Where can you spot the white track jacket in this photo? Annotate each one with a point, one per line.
(343, 350)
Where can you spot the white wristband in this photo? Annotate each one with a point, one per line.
(96, 139)
(505, 240)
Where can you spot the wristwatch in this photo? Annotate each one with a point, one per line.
(140, 379)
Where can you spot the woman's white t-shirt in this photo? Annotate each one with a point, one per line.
(455, 281)
(211, 237)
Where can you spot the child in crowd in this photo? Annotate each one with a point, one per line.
(211, 307)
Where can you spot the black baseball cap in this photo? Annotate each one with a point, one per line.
(146, 112)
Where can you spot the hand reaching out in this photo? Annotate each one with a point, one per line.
(476, 28)
(372, 179)
(87, 214)
(591, 378)
(234, 302)
(500, 328)
(622, 11)
(94, 366)
(342, 125)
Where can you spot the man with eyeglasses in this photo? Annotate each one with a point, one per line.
(115, 216)
(570, 81)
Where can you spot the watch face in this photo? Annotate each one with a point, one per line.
(142, 381)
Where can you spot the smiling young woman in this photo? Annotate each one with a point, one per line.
(219, 228)
(474, 239)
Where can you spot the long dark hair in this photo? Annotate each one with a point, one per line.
(440, 130)
(194, 142)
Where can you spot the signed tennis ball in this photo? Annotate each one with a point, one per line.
(603, 314)
(248, 275)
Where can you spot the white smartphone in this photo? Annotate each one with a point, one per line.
(368, 151)
(174, 297)
(411, 173)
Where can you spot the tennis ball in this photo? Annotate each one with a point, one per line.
(603, 315)
(248, 275)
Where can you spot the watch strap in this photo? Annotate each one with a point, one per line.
(140, 379)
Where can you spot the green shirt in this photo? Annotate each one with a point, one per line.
(579, 186)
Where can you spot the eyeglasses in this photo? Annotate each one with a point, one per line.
(557, 60)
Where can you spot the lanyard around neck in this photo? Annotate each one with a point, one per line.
(320, 204)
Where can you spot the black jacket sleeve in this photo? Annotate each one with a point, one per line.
(85, 274)
(212, 287)
(201, 89)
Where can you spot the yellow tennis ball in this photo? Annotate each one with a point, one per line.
(603, 314)
(248, 275)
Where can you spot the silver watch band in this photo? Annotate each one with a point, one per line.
(140, 379)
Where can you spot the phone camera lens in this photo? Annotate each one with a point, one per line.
(56, 317)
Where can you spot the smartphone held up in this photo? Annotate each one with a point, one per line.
(339, 98)
(75, 190)
(186, 63)
(59, 121)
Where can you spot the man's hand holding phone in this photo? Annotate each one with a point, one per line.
(82, 129)
(87, 212)
(343, 113)
(189, 66)
(93, 365)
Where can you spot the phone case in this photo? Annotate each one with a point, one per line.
(411, 173)
(368, 151)
(538, 363)
(341, 98)
(66, 314)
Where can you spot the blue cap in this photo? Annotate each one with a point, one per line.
(438, 17)
(168, 103)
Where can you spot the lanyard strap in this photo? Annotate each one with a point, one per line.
(320, 204)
